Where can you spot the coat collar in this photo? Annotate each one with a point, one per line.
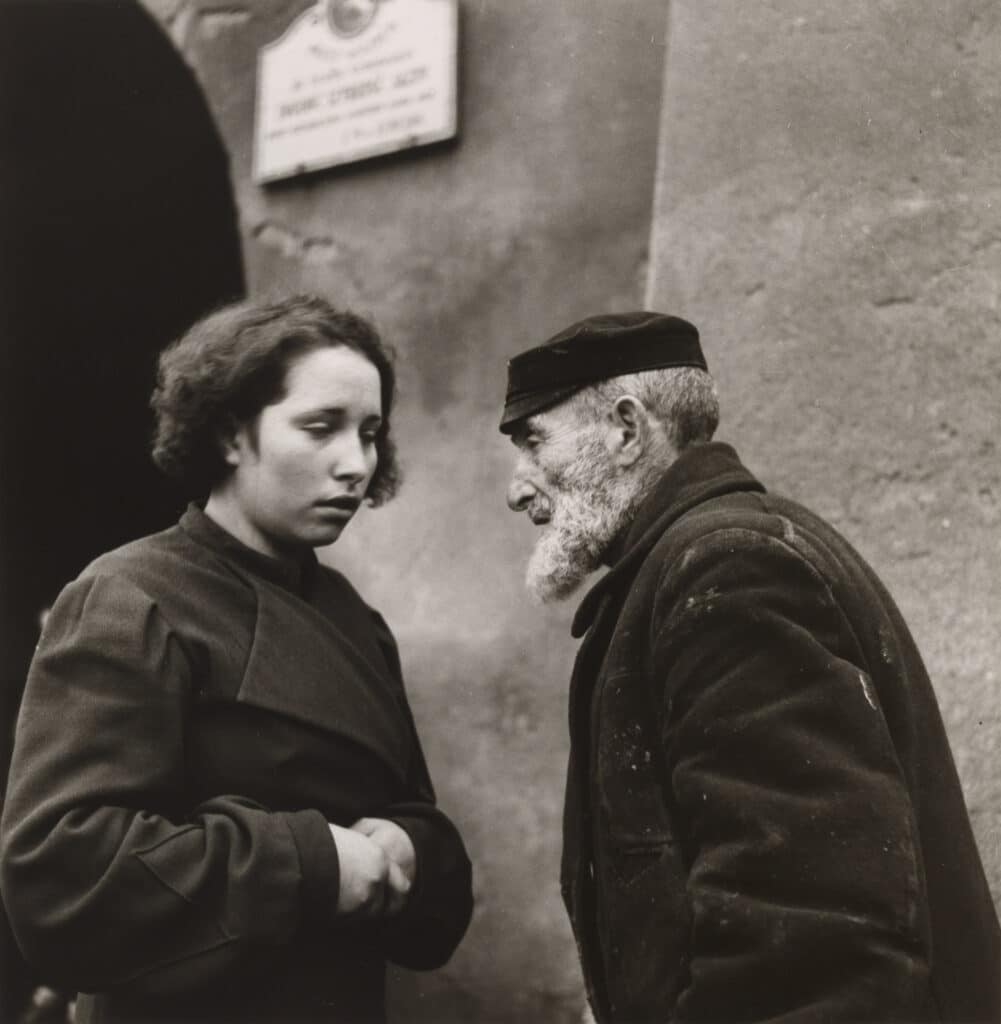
(700, 473)
(298, 578)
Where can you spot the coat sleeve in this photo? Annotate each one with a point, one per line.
(438, 912)
(110, 883)
(805, 886)
(440, 906)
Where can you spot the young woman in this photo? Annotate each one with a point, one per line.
(218, 807)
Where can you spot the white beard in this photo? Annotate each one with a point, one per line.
(590, 509)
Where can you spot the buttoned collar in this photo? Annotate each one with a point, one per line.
(700, 473)
(297, 577)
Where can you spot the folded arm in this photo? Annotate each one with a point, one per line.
(109, 881)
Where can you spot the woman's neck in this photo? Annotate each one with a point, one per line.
(226, 512)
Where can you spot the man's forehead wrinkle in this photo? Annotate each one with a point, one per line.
(548, 426)
(558, 423)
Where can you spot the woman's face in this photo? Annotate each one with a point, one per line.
(302, 467)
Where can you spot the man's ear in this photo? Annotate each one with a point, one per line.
(630, 430)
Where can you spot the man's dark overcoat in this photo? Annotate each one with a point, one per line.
(763, 817)
(195, 715)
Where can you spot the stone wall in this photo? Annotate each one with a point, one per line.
(829, 212)
(463, 254)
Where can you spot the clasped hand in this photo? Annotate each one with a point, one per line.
(378, 866)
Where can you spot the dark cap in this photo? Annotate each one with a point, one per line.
(595, 349)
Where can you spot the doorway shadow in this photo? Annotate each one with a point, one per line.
(118, 228)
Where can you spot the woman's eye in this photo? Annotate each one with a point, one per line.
(369, 436)
(316, 429)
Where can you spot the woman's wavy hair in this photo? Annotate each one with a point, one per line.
(233, 363)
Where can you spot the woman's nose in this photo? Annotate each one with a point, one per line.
(351, 462)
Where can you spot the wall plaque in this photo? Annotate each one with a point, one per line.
(351, 79)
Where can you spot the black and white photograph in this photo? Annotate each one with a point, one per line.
(500, 512)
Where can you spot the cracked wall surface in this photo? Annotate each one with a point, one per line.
(464, 254)
(829, 213)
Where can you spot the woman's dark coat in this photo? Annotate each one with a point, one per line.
(763, 818)
(194, 716)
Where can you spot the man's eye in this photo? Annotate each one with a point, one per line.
(369, 436)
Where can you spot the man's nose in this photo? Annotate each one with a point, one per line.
(519, 493)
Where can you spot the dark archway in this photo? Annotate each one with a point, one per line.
(117, 229)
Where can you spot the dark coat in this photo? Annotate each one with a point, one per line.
(763, 818)
(194, 716)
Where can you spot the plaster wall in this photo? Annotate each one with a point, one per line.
(828, 212)
(463, 254)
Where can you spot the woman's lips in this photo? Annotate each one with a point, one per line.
(344, 505)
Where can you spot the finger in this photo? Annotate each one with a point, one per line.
(395, 901)
(398, 881)
(366, 826)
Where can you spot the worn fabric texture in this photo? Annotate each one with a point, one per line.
(763, 818)
(194, 716)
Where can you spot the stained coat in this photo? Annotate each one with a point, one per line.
(763, 818)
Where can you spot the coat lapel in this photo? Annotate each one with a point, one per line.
(303, 666)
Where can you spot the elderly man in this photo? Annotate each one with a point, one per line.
(763, 819)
